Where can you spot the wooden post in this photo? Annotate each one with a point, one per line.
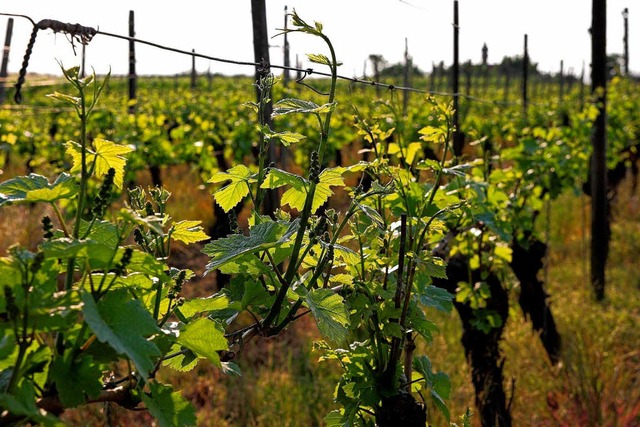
(261, 55)
(132, 64)
(485, 68)
(376, 60)
(625, 16)
(582, 88)
(193, 69)
(83, 63)
(5, 60)
(507, 79)
(468, 71)
(407, 72)
(432, 77)
(561, 81)
(287, 62)
(600, 231)
(458, 137)
(525, 74)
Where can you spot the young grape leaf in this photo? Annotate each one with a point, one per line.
(202, 305)
(204, 338)
(188, 232)
(330, 313)
(331, 177)
(76, 378)
(107, 155)
(319, 58)
(438, 383)
(286, 138)
(124, 324)
(294, 105)
(36, 188)
(261, 237)
(98, 254)
(185, 361)
(168, 406)
(233, 193)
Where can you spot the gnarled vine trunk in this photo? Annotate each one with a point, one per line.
(482, 349)
(526, 262)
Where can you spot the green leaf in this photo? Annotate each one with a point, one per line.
(372, 214)
(124, 324)
(36, 188)
(286, 138)
(233, 193)
(263, 236)
(330, 177)
(277, 178)
(204, 338)
(73, 100)
(435, 267)
(433, 296)
(107, 155)
(204, 305)
(183, 362)
(330, 312)
(294, 105)
(104, 232)
(98, 254)
(438, 383)
(23, 402)
(319, 58)
(75, 378)
(168, 406)
(188, 232)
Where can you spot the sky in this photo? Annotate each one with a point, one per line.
(557, 30)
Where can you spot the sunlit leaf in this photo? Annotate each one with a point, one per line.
(263, 236)
(294, 105)
(188, 232)
(330, 312)
(230, 195)
(204, 338)
(36, 188)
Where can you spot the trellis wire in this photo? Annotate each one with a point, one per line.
(84, 35)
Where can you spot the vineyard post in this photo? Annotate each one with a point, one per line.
(457, 140)
(193, 69)
(525, 74)
(286, 76)
(625, 16)
(261, 56)
(582, 88)
(132, 64)
(600, 231)
(5, 60)
(407, 71)
(83, 61)
(561, 81)
(287, 61)
(485, 68)
(432, 78)
(376, 60)
(507, 77)
(468, 71)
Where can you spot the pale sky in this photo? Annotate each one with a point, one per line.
(557, 30)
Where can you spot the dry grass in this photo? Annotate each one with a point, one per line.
(597, 383)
